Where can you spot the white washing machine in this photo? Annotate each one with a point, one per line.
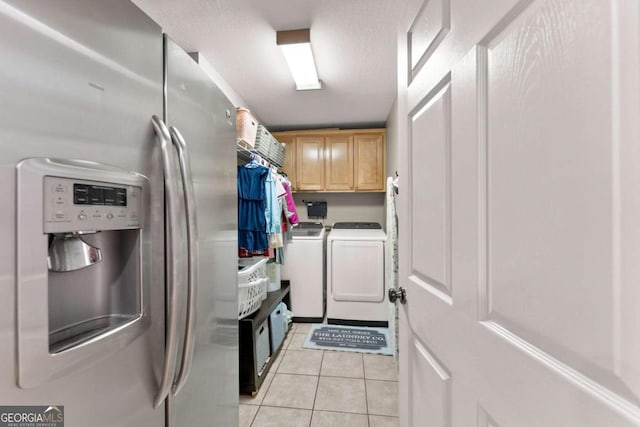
(304, 267)
(356, 291)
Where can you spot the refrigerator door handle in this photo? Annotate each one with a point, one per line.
(192, 257)
(172, 250)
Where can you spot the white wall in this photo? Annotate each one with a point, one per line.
(392, 140)
(344, 206)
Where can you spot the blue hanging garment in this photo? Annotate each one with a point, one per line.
(252, 224)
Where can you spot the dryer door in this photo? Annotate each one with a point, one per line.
(357, 270)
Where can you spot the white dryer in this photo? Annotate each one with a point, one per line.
(356, 291)
(304, 267)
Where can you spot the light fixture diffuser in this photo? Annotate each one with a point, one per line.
(296, 48)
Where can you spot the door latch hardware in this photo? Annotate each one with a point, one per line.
(398, 294)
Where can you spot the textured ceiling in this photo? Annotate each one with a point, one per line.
(353, 42)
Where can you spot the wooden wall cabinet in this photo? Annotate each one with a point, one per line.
(338, 163)
(309, 163)
(335, 160)
(370, 158)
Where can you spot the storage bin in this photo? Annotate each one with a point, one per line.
(261, 341)
(264, 141)
(278, 326)
(280, 153)
(247, 127)
(252, 284)
(276, 152)
(268, 147)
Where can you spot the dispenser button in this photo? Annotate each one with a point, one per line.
(109, 215)
(82, 216)
(59, 202)
(59, 188)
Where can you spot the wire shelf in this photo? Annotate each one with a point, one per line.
(247, 154)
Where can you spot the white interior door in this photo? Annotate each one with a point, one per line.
(520, 213)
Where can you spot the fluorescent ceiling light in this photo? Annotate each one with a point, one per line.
(296, 48)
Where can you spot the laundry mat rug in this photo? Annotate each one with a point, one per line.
(348, 338)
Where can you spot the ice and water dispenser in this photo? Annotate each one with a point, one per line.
(93, 231)
(80, 263)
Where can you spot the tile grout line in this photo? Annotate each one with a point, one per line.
(333, 376)
(383, 415)
(283, 350)
(366, 399)
(315, 396)
(325, 410)
(256, 414)
(301, 375)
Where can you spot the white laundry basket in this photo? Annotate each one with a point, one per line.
(252, 284)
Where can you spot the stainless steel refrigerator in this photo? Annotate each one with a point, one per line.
(118, 299)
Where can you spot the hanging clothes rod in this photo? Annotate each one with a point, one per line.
(248, 155)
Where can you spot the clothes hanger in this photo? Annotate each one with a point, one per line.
(254, 161)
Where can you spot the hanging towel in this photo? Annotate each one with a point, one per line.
(391, 256)
(289, 205)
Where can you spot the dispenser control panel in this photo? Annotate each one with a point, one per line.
(72, 205)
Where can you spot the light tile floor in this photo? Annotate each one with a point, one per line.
(318, 388)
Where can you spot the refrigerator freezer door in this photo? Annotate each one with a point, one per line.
(83, 80)
(203, 115)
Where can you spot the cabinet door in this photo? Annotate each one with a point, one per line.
(369, 162)
(338, 162)
(310, 162)
(289, 166)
